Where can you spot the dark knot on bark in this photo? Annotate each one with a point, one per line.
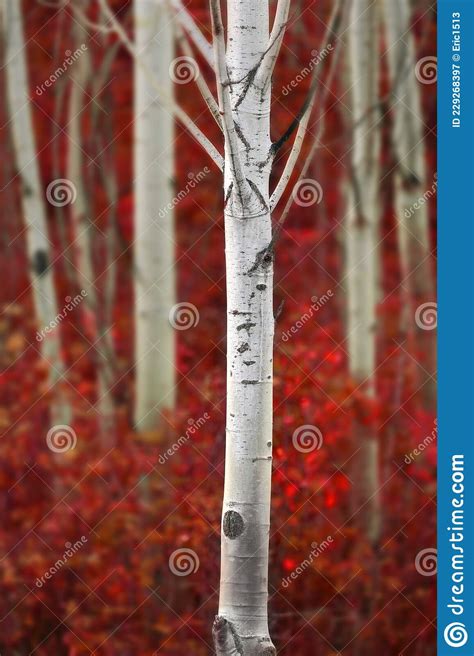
(226, 640)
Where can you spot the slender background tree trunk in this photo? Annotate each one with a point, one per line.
(362, 250)
(411, 184)
(33, 201)
(154, 217)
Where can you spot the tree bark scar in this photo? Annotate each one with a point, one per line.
(232, 524)
(226, 639)
(241, 136)
(263, 259)
(257, 193)
(279, 310)
(40, 262)
(410, 181)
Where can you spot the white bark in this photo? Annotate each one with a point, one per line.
(82, 228)
(242, 624)
(166, 98)
(32, 197)
(411, 184)
(79, 75)
(154, 218)
(362, 238)
(408, 143)
(188, 23)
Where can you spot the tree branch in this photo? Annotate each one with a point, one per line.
(302, 118)
(275, 40)
(309, 158)
(166, 100)
(188, 23)
(200, 81)
(225, 106)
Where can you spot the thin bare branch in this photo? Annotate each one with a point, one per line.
(188, 23)
(302, 118)
(199, 80)
(166, 100)
(223, 94)
(309, 158)
(275, 40)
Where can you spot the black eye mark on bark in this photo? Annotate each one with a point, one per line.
(261, 287)
(232, 524)
(40, 262)
(243, 347)
(263, 260)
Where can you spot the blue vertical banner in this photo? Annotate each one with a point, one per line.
(455, 327)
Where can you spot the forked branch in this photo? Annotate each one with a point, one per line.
(166, 100)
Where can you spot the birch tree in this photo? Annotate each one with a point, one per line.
(243, 69)
(154, 243)
(93, 310)
(39, 246)
(410, 179)
(361, 246)
(243, 78)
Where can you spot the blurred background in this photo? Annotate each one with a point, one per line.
(113, 413)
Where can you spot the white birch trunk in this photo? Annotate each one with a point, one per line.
(82, 228)
(242, 624)
(408, 143)
(362, 250)
(154, 217)
(32, 200)
(410, 180)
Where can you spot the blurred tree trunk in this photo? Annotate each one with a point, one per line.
(362, 251)
(154, 217)
(411, 183)
(81, 213)
(242, 625)
(39, 246)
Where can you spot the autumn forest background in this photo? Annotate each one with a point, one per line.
(133, 512)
